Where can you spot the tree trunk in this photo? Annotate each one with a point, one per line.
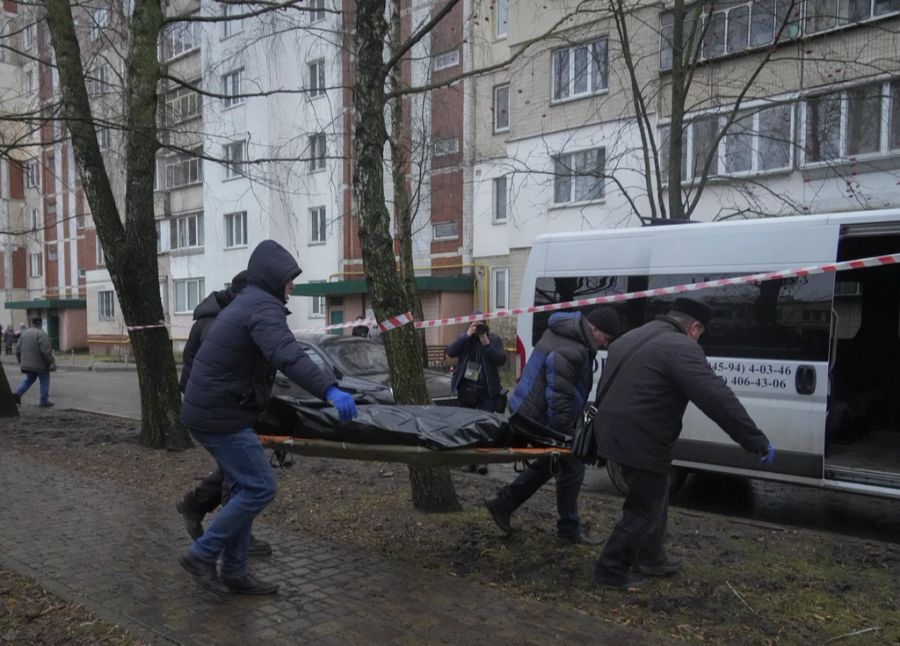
(432, 488)
(8, 406)
(130, 249)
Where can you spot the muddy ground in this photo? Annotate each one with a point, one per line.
(743, 582)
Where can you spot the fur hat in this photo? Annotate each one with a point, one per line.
(695, 308)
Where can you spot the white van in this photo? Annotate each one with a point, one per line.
(815, 359)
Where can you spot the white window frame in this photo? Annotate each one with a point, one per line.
(28, 36)
(317, 305)
(106, 305)
(499, 289)
(445, 60)
(32, 174)
(565, 57)
(52, 253)
(318, 225)
(317, 13)
(438, 234)
(104, 137)
(183, 104)
(100, 255)
(501, 124)
(79, 222)
(445, 146)
(236, 230)
(189, 231)
(180, 39)
(317, 146)
(36, 223)
(563, 166)
(316, 78)
(235, 156)
(231, 26)
(28, 83)
(190, 167)
(501, 19)
(100, 79)
(36, 265)
(232, 88)
(189, 291)
(99, 22)
(500, 199)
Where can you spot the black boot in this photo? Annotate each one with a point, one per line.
(193, 519)
(249, 584)
(258, 547)
(500, 514)
(204, 573)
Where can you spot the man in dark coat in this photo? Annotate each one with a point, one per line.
(34, 352)
(209, 494)
(476, 380)
(638, 422)
(229, 386)
(553, 391)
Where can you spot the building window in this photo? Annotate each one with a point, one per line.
(37, 265)
(35, 220)
(180, 38)
(99, 22)
(28, 36)
(500, 199)
(316, 80)
(99, 79)
(317, 304)
(100, 255)
(188, 231)
(316, 152)
(183, 170)
(446, 231)
(188, 293)
(82, 272)
(317, 225)
(236, 229)
(500, 288)
(852, 122)
(822, 15)
(235, 158)
(446, 146)
(501, 108)
(182, 104)
(104, 137)
(759, 141)
(32, 174)
(316, 12)
(446, 60)
(231, 88)
(28, 83)
(231, 25)
(106, 305)
(578, 176)
(52, 254)
(79, 222)
(501, 16)
(580, 70)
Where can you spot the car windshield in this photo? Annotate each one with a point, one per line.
(358, 356)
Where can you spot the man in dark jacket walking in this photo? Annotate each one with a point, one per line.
(229, 385)
(476, 381)
(212, 490)
(553, 391)
(638, 422)
(34, 352)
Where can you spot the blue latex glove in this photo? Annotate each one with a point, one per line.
(342, 401)
(769, 457)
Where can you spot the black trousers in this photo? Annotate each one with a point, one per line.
(209, 494)
(639, 534)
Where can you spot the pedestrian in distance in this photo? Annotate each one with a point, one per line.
(553, 391)
(360, 329)
(9, 339)
(228, 387)
(34, 352)
(476, 380)
(212, 490)
(654, 371)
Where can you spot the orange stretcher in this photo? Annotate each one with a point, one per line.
(412, 455)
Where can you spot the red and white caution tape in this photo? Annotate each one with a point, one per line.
(132, 328)
(369, 322)
(397, 321)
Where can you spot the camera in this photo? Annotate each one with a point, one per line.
(481, 328)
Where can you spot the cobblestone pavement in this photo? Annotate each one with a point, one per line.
(114, 551)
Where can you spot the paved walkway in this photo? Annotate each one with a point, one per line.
(114, 551)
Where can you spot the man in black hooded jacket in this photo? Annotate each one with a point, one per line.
(212, 490)
(229, 386)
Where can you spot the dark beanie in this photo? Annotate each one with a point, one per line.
(695, 308)
(239, 282)
(606, 320)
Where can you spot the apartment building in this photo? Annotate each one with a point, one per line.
(557, 146)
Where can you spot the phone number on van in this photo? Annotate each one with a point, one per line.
(758, 375)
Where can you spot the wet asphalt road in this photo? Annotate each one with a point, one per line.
(116, 391)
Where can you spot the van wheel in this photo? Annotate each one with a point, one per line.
(677, 478)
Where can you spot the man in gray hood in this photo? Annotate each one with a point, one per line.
(34, 353)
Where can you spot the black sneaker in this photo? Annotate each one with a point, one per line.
(632, 581)
(258, 547)
(249, 584)
(45, 404)
(666, 567)
(581, 538)
(204, 573)
(500, 515)
(193, 520)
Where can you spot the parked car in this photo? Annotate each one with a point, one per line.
(360, 367)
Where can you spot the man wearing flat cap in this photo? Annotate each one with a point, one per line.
(654, 370)
(553, 390)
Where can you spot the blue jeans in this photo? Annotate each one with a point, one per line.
(30, 378)
(568, 485)
(253, 485)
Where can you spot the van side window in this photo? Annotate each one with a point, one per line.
(569, 288)
(785, 319)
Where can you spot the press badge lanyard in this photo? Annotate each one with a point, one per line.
(473, 368)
